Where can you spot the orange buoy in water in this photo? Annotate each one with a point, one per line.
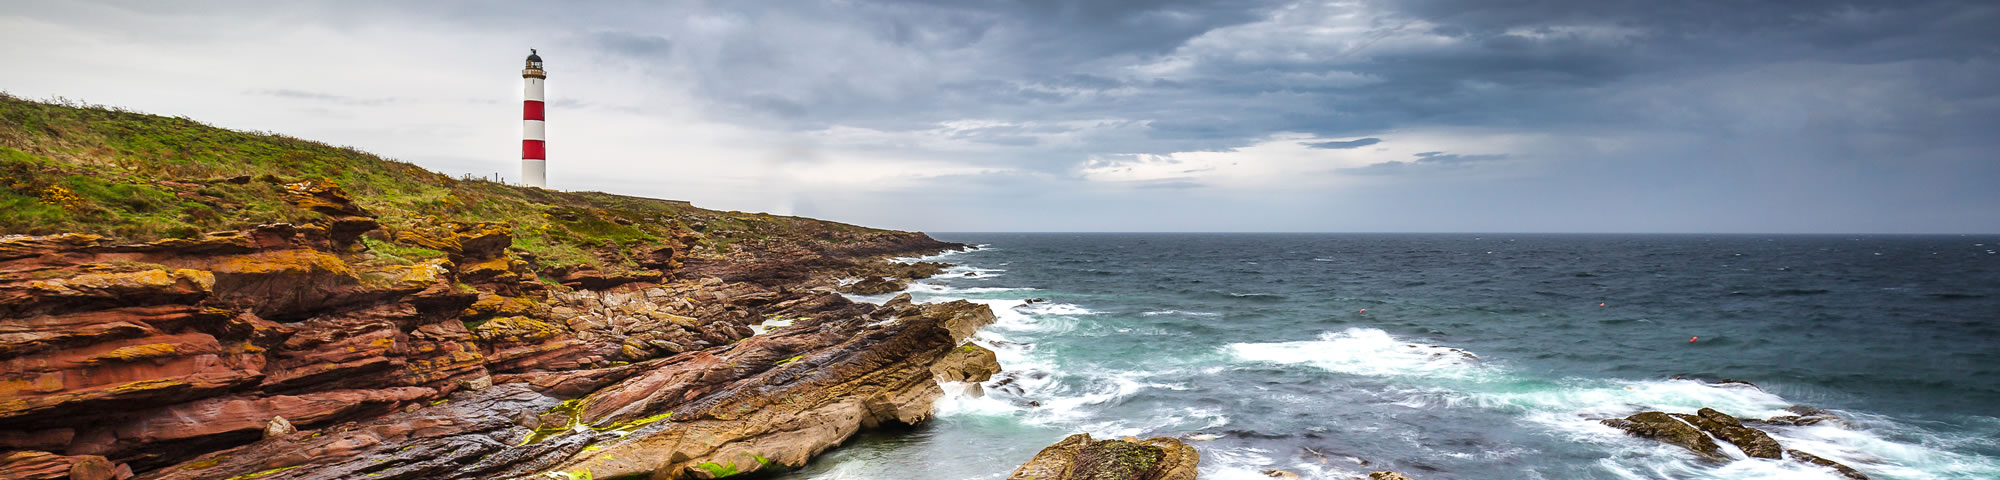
(1600, 304)
(1692, 339)
(1364, 310)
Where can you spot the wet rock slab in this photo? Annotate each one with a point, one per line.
(1080, 457)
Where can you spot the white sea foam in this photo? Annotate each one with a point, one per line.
(925, 292)
(1449, 378)
(957, 401)
(1255, 295)
(1052, 308)
(943, 290)
(1250, 464)
(1365, 351)
(977, 272)
(1575, 408)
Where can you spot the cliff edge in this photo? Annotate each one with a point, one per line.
(181, 301)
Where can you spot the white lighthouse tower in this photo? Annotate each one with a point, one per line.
(534, 132)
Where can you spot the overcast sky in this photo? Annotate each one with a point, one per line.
(1177, 115)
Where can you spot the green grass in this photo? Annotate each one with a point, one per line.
(71, 167)
(719, 470)
(398, 253)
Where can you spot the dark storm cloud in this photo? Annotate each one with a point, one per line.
(1789, 86)
(1513, 64)
(1342, 145)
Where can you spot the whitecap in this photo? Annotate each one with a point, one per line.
(1365, 351)
(1256, 295)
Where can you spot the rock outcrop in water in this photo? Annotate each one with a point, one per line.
(887, 277)
(1694, 433)
(1667, 428)
(1753, 442)
(874, 286)
(1081, 458)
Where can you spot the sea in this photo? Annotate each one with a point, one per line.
(1465, 356)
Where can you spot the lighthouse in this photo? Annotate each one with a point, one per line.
(534, 131)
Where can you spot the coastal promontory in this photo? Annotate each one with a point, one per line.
(179, 301)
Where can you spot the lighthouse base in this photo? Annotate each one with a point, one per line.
(535, 173)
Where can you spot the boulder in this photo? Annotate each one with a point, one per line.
(1670, 429)
(874, 286)
(1804, 415)
(1844, 470)
(92, 467)
(963, 318)
(905, 271)
(1752, 441)
(1387, 475)
(278, 427)
(967, 363)
(1081, 458)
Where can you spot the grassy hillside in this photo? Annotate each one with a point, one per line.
(67, 167)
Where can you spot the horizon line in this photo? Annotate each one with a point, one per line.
(1325, 232)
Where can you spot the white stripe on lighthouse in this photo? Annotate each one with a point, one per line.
(534, 130)
(533, 91)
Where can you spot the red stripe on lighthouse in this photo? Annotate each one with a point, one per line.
(532, 110)
(533, 150)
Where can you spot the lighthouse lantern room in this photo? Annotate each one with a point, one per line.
(534, 132)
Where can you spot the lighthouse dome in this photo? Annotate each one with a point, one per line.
(533, 57)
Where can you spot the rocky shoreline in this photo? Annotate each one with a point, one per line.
(283, 352)
(291, 351)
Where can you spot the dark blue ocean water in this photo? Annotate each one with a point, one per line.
(1477, 356)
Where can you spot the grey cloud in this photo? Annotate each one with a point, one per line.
(1341, 145)
(1425, 162)
(1170, 185)
(634, 44)
(1452, 158)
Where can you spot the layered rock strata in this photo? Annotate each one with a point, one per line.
(300, 347)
